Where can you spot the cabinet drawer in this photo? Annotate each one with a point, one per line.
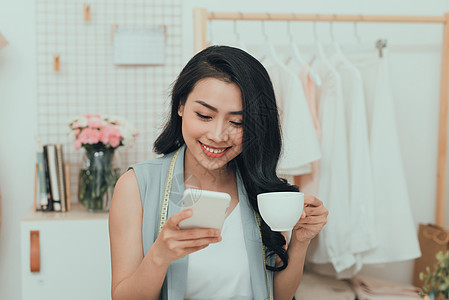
(74, 260)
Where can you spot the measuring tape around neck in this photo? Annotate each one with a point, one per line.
(167, 189)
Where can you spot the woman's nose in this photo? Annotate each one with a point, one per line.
(219, 132)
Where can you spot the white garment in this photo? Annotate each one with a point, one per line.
(300, 143)
(221, 270)
(394, 222)
(361, 197)
(364, 233)
(333, 242)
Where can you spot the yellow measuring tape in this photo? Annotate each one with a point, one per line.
(166, 195)
(164, 211)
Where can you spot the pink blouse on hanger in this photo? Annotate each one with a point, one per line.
(308, 183)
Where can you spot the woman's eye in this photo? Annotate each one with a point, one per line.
(203, 116)
(237, 124)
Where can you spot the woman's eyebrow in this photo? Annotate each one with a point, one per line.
(240, 112)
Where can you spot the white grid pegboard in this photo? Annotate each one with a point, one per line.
(89, 82)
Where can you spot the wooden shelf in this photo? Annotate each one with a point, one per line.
(77, 212)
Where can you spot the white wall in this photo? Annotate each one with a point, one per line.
(415, 61)
(17, 134)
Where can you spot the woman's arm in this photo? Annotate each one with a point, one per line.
(287, 281)
(135, 276)
(131, 271)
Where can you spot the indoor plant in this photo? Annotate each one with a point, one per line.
(436, 283)
(100, 136)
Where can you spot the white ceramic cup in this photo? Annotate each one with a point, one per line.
(281, 210)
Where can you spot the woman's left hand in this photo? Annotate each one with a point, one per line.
(312, 220)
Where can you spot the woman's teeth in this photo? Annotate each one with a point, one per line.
(213, 150)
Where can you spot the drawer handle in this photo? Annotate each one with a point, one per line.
(35, 260)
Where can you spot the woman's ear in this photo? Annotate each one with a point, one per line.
(180, 110)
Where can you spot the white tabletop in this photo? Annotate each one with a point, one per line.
(77, 212)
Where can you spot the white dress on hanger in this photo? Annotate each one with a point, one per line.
(394, 222)
(362, 218)
(360, 173)
(300, 143)
(333, 243)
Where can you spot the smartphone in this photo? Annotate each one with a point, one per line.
(209, 208)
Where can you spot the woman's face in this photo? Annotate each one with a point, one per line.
(212, 123)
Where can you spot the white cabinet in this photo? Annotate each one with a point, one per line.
(74, 255)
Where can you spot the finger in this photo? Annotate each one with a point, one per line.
(315, 211)
(313, 219)
(194, 249)
(197, 233)
(176, 218)
(312, 201)
(312, 228)
(197, 242)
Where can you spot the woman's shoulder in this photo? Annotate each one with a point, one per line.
(149, 171)
(135, 180)
(146, 171)
(158, 161)
(150, 162)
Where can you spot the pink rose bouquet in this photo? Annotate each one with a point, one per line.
(99, 136)
(102, 132)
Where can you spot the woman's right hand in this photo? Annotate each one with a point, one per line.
(174, 243)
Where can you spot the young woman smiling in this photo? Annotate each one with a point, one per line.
(222, 135)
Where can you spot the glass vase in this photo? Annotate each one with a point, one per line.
(98, 176)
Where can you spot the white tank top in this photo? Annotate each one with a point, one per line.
(221, 270)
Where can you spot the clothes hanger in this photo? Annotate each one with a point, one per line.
(356, 34)
(268, 50)
(319, 51)
(240, 42)
(295, 54)
(334, 46)
(318, 45)
(380, 45)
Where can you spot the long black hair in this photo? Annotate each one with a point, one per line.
(262, 143)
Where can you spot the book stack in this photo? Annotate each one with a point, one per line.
(51, 177)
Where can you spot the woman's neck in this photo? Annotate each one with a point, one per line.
(197, 176)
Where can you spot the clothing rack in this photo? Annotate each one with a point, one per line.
(202, 15)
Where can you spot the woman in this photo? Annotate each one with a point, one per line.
(222, 135)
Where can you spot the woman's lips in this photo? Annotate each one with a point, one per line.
(212, 154)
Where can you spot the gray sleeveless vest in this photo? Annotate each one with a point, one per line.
(151, 177)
